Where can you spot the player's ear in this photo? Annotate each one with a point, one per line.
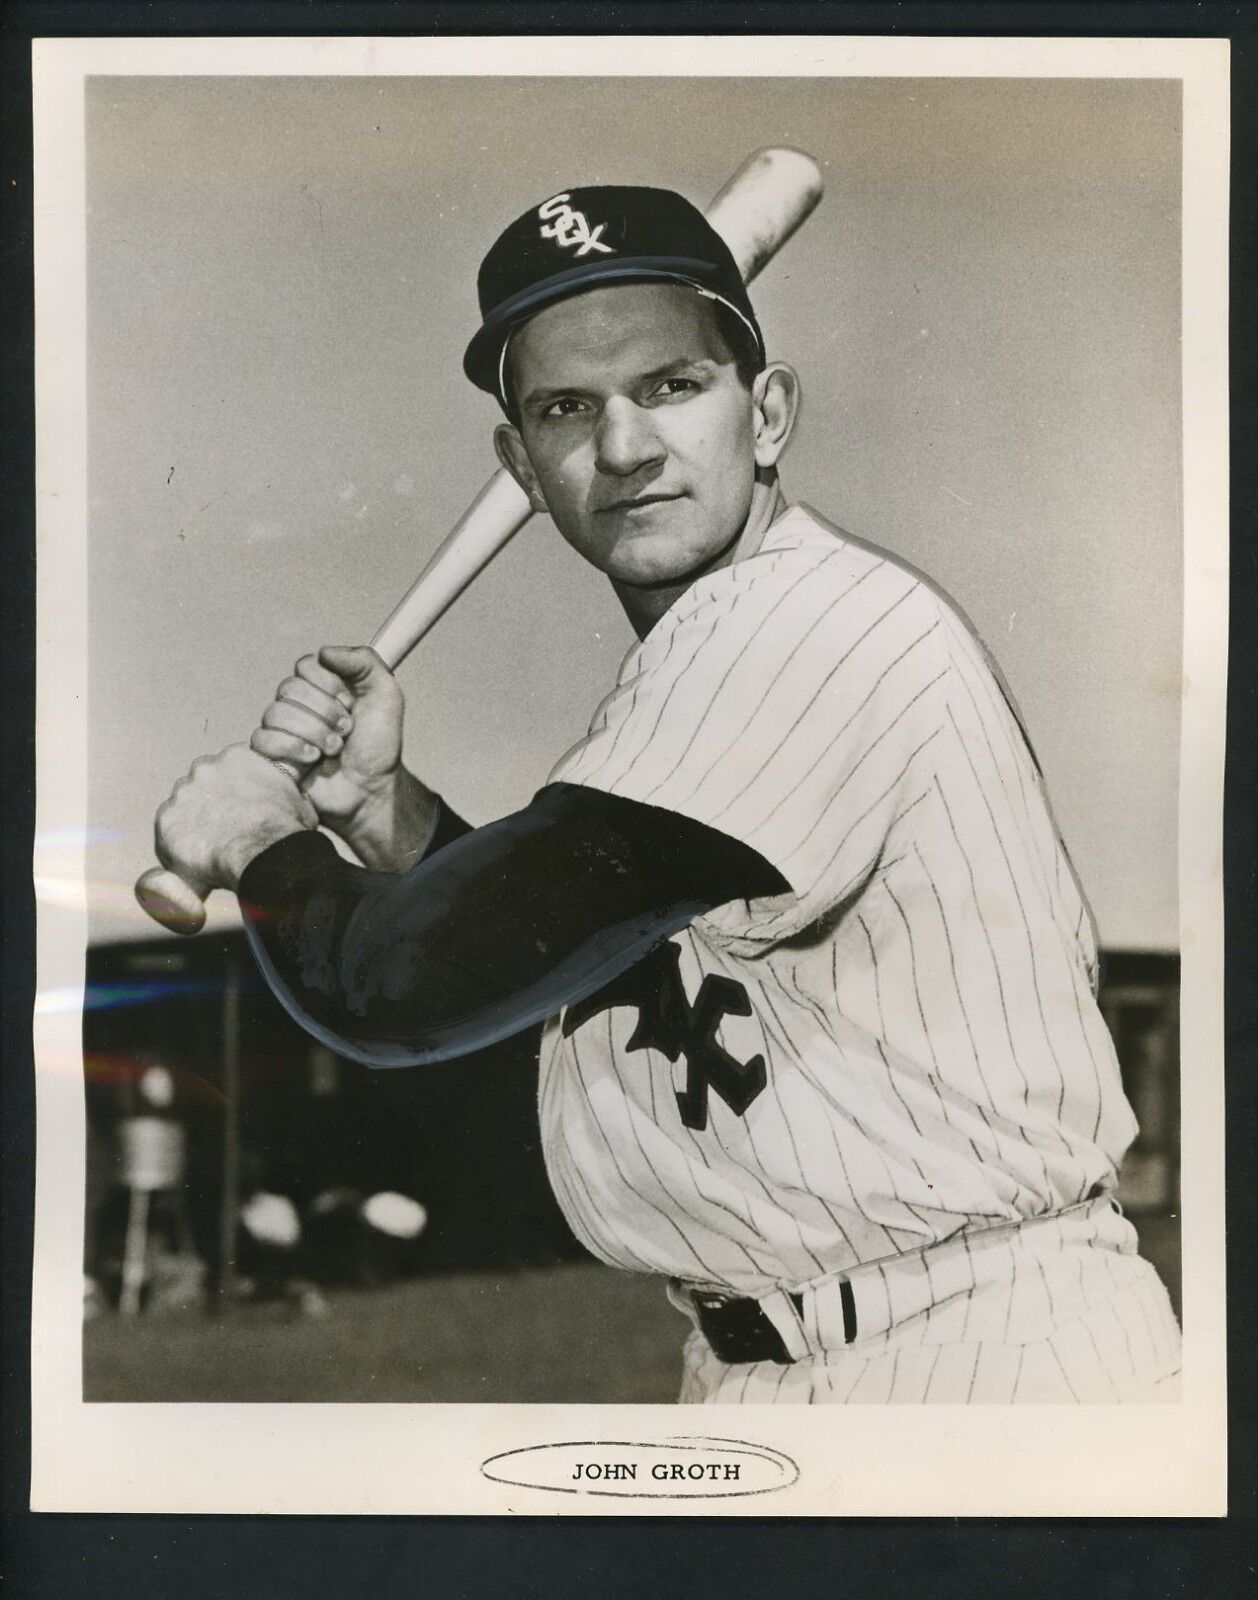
(511, 452)
(775, 405)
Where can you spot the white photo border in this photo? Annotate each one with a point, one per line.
(857, 1461)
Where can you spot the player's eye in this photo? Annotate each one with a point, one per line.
(674, 388)
(567, 405)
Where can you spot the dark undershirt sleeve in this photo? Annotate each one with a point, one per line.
(450, 826)
(496, 928)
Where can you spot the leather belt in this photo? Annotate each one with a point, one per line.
(739, 1331)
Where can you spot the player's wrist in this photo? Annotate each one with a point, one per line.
(238, 853)
(392, 826)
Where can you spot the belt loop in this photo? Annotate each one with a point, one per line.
(848, 1302)
(678, 1297)
(781, 1312)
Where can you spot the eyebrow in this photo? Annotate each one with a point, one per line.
(668, 369)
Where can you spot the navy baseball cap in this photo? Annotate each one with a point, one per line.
(581, 239)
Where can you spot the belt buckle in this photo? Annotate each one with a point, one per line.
(738, 1329)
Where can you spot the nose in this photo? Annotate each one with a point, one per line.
(624, 439)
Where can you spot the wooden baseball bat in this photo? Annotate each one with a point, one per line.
(757, 211)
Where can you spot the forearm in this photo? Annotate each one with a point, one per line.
(394, 828)
(491, 932)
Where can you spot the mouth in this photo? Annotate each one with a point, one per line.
(638, 502)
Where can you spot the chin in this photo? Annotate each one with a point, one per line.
(653, 573)
(651, 560)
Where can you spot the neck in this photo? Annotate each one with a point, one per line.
(645, 606)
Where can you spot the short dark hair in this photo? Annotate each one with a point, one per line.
(738, 339)
(740, 342)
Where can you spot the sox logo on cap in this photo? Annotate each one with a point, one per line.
(570, 227)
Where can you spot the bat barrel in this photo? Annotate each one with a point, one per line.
(762, 205)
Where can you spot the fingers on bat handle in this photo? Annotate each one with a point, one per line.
(170, 901)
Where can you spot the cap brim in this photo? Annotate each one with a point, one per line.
(481, 361)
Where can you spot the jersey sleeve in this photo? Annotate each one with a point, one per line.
(790, 702)
(495, 929)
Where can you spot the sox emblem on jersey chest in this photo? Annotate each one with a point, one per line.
(669, 1023)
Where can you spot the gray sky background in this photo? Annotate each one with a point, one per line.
(984, 313)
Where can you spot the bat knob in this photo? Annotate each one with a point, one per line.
(170, 901)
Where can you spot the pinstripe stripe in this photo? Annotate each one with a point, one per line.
(1148, 1328)
(846, 1114)
(1100, 1362)
(808, 576)
(579, 1209)
(588, 1223)
(773, 1200)
(659, 715)
(708, 1272)
(767, 1267)
(1034, 964)
(1041, 797)
(969, 1293)
(865, 868)
(1048, 1291)
(1009, 1304)
(987, 1088)
(704, 1164)
(1122, 1327)
(987, 938)
(1082, 1289)
(926, 1039)
(989, 670)
(775, 1090)
(932, 1307)
(860, 761)
(1053, 1351)
(891, 789)
(682, 1211)
(811, 703)
(575, 756)
(978, 1356)
(892, 1077)
(675, 679)
(581, 1206)
(1023, 810)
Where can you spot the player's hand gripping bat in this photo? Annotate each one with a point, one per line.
(755, 213)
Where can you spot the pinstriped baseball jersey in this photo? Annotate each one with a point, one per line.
(906, 1043)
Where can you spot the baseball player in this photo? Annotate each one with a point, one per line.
(815, 978)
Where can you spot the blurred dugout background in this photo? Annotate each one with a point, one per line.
(268, 1221)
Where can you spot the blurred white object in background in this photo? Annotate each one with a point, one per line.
(271, 1219)
(157, 1086)
(395, 1214)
